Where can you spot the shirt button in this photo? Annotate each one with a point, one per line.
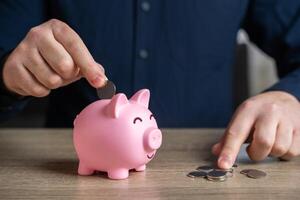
(145, 6)
(143, 53)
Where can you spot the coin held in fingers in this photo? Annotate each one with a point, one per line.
(107, 91)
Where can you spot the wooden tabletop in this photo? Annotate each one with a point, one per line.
(42, 164)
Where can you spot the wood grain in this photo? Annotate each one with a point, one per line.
(41, 164)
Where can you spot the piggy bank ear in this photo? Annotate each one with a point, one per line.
(117, 102)
(142, 97)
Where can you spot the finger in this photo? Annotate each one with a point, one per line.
(57, 57)
(236, 134)
(295, 147)
(30, 85)
(216, 148)
(80, 54)
(18, 91)
(263, 137)
(42, 71)
(283, 140)
(67, 82)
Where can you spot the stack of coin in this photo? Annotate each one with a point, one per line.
(212, 173)
(253, 173)
(217, 175)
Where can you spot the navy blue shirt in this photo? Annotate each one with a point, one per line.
(183, 51)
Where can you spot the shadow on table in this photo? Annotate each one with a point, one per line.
(61, 166)
(66, 167)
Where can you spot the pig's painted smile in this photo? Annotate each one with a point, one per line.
(150, 156)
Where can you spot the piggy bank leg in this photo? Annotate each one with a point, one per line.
(84, 170)
(140, 168)
(118, 174)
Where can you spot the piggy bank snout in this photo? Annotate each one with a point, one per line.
(152, 139)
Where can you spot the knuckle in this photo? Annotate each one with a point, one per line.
(272, 107)
(231, 133)
(39, 91)
(251, 155)
(66, 68)
(55, 22)
(248, 104)
(254, 157)
(59, 26)
(264, 142)
(279, 149)
(67, 64)
(73, 45)
(293, 153)
(54, 82)
(11, 63)
(22, 47)
(33, 60)
(35, 33)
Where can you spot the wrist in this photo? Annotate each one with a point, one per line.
(283, 95)
(4, 90)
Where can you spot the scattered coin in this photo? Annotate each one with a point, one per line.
(245, 171)
(218, 175)
(196, 174)
(107, 91)
(254, 173)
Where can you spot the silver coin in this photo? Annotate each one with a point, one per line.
(225, 170)
(107, 91)
(205, 168)
(216, 175)
(197, 174)
(254, 173)
(217, 179)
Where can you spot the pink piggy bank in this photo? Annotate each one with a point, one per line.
(116, 135)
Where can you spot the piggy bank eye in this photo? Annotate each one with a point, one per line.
(136, 119)
(151, 116)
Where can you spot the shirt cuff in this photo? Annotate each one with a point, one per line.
(10, 103)
(289, 83)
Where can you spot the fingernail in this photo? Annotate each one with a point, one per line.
(105, 78)
(225, 162)
(98, 81)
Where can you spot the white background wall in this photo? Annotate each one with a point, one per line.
(262, 71)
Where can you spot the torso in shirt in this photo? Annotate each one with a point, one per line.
(183, 51)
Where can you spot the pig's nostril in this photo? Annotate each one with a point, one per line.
(153, 139)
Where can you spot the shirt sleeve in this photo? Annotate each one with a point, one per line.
(274, 26)
(16, 19)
